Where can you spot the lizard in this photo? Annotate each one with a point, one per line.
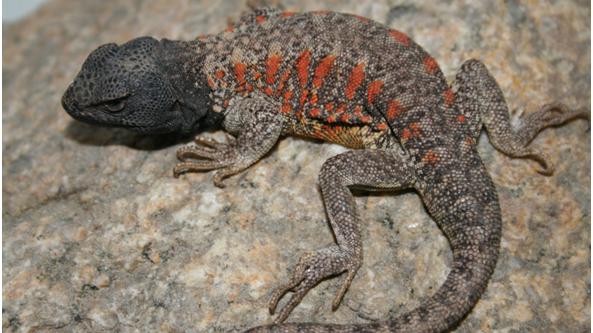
(343, 79)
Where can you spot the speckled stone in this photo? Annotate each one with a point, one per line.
(98, 235)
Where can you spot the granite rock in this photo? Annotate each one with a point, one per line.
(98, 235)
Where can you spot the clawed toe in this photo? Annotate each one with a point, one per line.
(295, 299)
(552, 114)
(184, 167)
(546, 167)
(209, 154)
(557, 113)
(344, 288)
(311, 269)
(209, 142)
(298, 276)
(206, 148)
(188, 152)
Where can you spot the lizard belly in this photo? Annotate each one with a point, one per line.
(350, 136)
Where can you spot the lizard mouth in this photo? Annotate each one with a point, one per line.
(95, 116)
(69, 103)
(168, 121)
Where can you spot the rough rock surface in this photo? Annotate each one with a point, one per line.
(98, 236)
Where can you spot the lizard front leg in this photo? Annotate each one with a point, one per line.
(372, 169)
(257, 124)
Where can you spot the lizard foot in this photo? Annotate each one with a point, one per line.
(310, 270)
(208, 154)
(552, 114)
(546, 167)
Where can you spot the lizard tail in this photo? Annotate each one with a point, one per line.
(456, 297)
(474, 234)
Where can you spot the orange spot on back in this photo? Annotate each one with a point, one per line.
(303, 97)
(240, 73)
(286, 108)
(288, 95)
(363, 118)
(260, 19)
(470, 141)
(461, 118)
(382, 126)
(331, 118)
(358, 111)
(449, 97)
(322, 70)
(269, 91)
(283, 77)
(345, 117)
(341, 108)
(430, 157)
(430, 65)
(219, 74)
(354, 81)
(210, 82)
(412, 131)
(315, 112)
(373, 90)
(272, 65)
(302, 66)
(393, 109)
(406, 134)
(415, 128)
(329, 107)
(400, 37)
(313, 98)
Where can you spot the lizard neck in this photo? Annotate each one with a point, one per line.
(181, 63)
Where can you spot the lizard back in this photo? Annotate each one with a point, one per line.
(337, 77)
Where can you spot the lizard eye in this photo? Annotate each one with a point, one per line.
(115, 105)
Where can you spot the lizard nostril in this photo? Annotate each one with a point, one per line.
(64, 103)
(69, 102)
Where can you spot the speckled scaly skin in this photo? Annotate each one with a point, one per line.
(344, 79)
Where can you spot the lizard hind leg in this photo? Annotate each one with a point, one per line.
(480, 100)
(368, 169)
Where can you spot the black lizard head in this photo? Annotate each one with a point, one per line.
(140, 85)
